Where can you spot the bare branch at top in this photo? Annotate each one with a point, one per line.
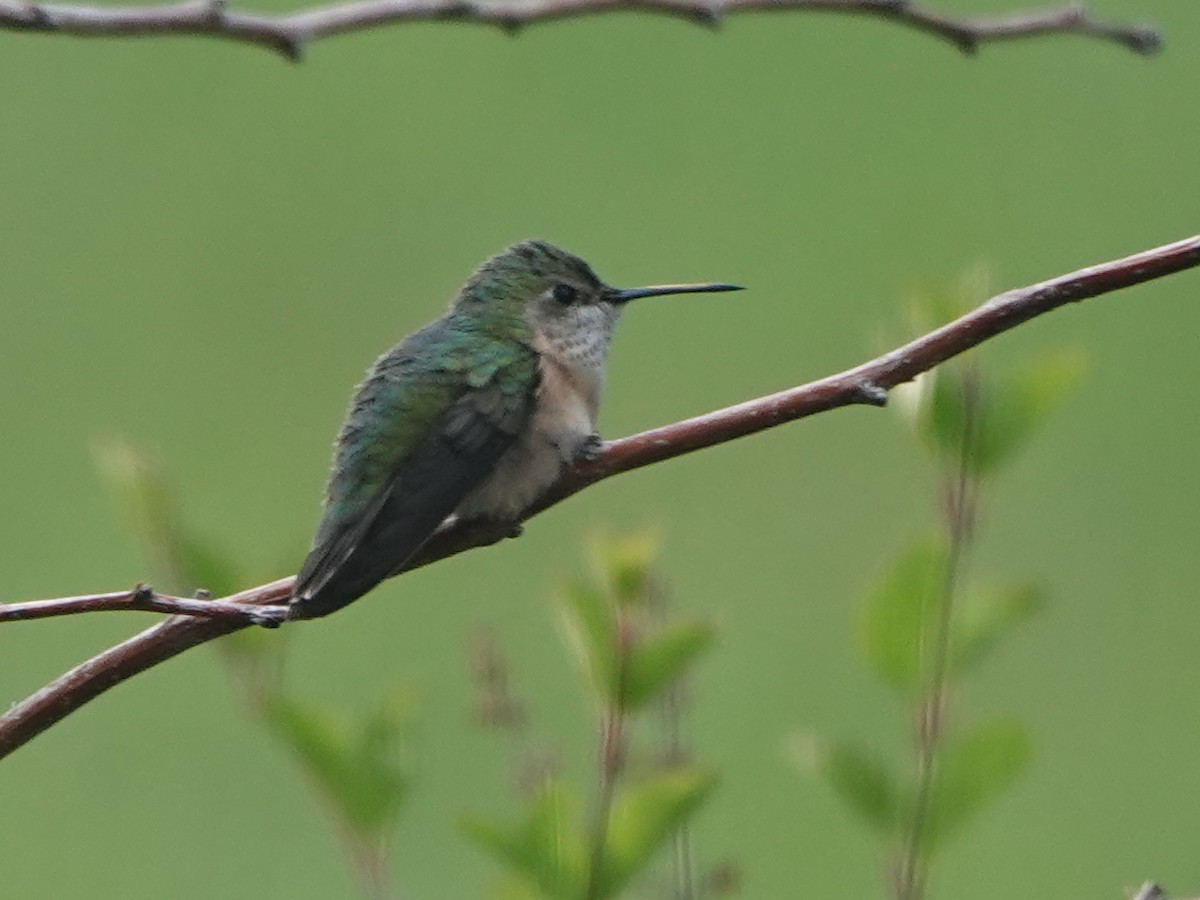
(290, 33)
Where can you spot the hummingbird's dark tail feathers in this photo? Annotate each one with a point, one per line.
(387, 536)
(350, 564)
(454, 457)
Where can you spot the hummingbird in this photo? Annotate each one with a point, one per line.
(473, 416)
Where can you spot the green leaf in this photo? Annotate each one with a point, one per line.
(139, 485)
(945, 421)
(983, 616)
(146, 504)
(937, 303)
(659, 660)
(546, 848)
(254, 658)
(205, 566)
(1019, 403)
(179, 561)
(972, 771)
(934, 403)
(592, 628)
(643, 817)
(1004, 411)
(902, 613)
(861, 781)
(357, 765)
(626, 564)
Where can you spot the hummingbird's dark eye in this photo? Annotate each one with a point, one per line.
(566, 294)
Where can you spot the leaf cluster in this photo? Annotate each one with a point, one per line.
(925, 627)
(356, 763)
(632, 657)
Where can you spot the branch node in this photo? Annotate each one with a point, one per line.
(967, 42)
(711, 16)
(269, 616)
(291, 46)
(202, 594)
(510, 25)
(870, 393)
(1142, 39)
(39, 17)
(142, 595)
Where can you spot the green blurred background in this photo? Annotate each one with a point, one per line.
(204, 247)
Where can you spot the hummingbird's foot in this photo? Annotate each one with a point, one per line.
(591, 448)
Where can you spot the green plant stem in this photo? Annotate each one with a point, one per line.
(960, 511)
(369, 860)
(611, 758)
(683, 863)
(612, 762)
(685, 877)
(676, 752)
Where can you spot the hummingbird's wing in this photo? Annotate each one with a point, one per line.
(455, 451)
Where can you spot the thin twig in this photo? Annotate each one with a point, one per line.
(867, 383)
(142, 598)
(289, 33)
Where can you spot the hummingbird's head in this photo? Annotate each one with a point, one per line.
(559, 297)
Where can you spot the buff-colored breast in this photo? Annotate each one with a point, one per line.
(564, 417)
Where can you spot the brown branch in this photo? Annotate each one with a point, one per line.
(141, 598)
(864, 384)
(290, 33)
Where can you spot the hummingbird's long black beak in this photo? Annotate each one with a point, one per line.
(658, 290)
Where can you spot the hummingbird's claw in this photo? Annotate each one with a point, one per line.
(591, 448)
